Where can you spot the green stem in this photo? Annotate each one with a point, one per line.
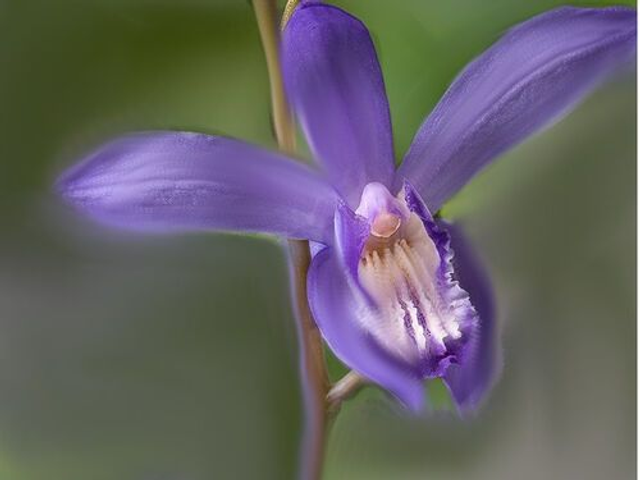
(313, 368)
(344, 389)
(266, 16)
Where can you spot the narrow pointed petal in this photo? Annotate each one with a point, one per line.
(472, 379)
(533, 75)
(335, 86)
(167, 181)
(336, 305)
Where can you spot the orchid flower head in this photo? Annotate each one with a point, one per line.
(396, 292)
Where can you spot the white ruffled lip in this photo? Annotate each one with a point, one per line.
(399, 268)
(401, 276)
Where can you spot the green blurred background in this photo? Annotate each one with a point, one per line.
(174, 358)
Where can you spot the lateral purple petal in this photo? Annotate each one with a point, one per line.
(167, 181)
(534, 74)
(472, 379)
(352, 232)
(335, 86)
(336, 305)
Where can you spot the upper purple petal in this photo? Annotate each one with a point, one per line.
(535, 73)
(334, 83)
(471, 379)
(335, 304)
(162, 181)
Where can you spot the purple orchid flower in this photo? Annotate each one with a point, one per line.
(389, 296)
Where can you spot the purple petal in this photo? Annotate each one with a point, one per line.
(166, 181)
(471, 380)
(352, 232)
(335, 86)
(534, 74)
(335, 304)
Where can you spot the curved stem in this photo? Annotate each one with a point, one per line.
(266, 16)
(344, 389)
(313, 369)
